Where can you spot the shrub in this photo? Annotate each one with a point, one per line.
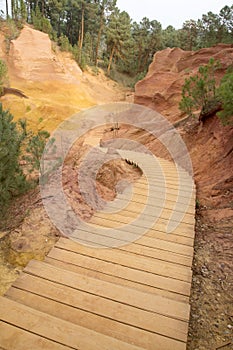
(79, 57)
(64, 43)
(199, 91)
(12, 179)
(12, 32)
(3, 75)
(15, 140)
(225, 92)
(34, 149)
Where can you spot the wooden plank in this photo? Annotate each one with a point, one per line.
(137, 207)
(170, 194)
(118, 221)
(153, 205)
(93, 241)
(170, 237)
(183, 229)
(167, 178)
(149, 240)
(156, 200)
(107, 271)
(159, 254)
(121, 331)
(137, 233)
(143, 183)
(64, 333)
(145, 246)
(175, 237)
(148, 321)
(185, 186)
(128, 216)
(165, 269)
(166, 283)
(13, 338)
(153, 303)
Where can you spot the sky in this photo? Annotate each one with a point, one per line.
(167, 12)
(170, 12)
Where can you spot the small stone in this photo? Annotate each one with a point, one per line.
(195, 316)
(229, 326)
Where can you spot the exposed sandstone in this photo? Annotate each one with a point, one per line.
(161, 88)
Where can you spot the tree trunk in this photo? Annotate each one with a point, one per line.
(43, 8)
(82, 29)
(99, 36)
(13, 9)
(110, 59)
(210, 109)
(7, 12)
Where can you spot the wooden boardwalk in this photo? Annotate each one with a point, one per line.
(133, 296)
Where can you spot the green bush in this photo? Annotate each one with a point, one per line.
(3, 75)
(17, 144)
(199, 91)
(12, 179)
(34, 149)
(79, 57)
(225, 92)
(64, 43)
(12, 32)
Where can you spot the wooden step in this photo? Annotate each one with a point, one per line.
(107, 271)
(180, 274)
(123, 295)
(134, 296)
(23, 328)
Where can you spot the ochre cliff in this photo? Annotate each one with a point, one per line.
(161, 88)
(53, 82)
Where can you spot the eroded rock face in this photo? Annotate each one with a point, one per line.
(162, 86)
(210, 146)
(52, 80)
(33, 58)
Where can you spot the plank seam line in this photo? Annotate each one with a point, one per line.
(140, 245)
(111, 205)
(122, 278)
(157, 258)
(41, 336)
(134, 268)
(147, 256)
(154, 237)
(154, 230)
(106, 317)
(105, 297)
(101, 214)
(132, 222)
(133, 211)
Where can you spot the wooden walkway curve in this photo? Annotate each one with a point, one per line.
(133, 296)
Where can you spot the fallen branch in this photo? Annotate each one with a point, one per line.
(6, 90)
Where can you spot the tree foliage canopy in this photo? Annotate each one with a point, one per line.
(100, 34)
